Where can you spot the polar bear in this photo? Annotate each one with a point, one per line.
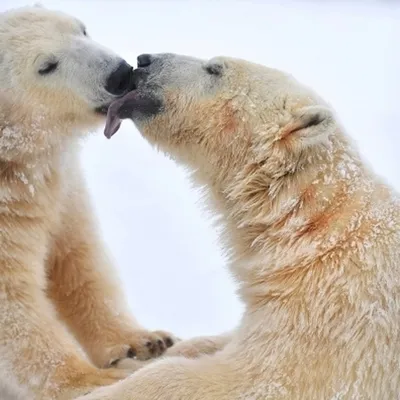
(55, 85)
(313, 233)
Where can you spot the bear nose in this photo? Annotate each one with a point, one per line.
(144, 60)
(120, 81)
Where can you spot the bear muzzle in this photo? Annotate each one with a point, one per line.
(120, 81)
(140, 103)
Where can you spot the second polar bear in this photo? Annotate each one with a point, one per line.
(314, 236)
(55, 86)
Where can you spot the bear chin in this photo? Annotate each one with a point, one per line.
(102, 110)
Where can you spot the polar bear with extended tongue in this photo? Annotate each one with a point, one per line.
(314, 236)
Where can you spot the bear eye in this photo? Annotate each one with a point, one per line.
(214, 69)
(48, 68)
(84, 32)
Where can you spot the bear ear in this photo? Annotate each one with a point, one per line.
(309, 125)
(38, 5)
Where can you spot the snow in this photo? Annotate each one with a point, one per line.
(163, 243)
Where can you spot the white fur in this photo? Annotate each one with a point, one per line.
(313, 234)
(57, 283)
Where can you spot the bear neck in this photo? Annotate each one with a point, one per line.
(32, 142)
(279, 227)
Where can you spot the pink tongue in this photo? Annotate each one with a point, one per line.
(113, 121)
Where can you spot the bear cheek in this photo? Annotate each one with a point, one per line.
(230, 126)
(230, 122)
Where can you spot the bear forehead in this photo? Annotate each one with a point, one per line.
(37, 22)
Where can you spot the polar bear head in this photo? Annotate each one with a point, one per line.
(53, 76)
(224, 114)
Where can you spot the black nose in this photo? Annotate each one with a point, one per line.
(144, 60)
(120, 81)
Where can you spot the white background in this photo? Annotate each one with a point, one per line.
(163, 243)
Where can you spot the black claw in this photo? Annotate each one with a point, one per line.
(169, 342)
(161, 344)
(131, 353)
(149, 344)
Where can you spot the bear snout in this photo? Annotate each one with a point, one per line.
(139, 77)
(120, 80)
(144, 60)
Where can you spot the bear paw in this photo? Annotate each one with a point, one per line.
(196, 347)
(135, 348)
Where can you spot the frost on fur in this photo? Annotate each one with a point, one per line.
(313, 236)
(64, 326)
